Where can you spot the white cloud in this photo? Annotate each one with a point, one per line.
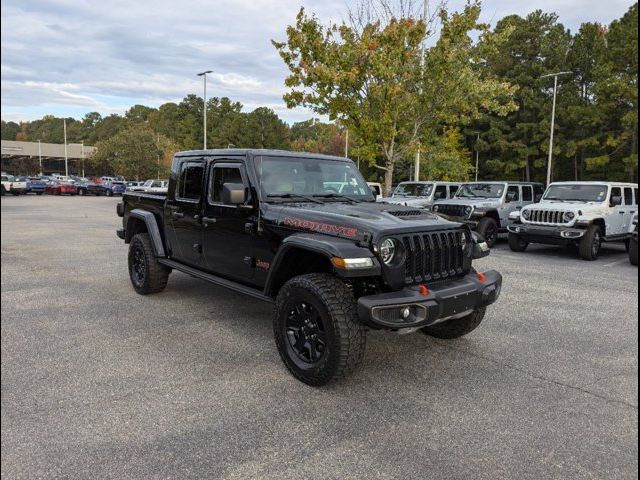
(110, 54)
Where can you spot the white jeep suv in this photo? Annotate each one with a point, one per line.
(581, 213)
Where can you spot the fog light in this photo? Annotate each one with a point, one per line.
(406, 311)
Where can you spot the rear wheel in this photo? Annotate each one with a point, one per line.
(488, 228)
(109, 193)
(146, 273)
(590, 243)
(81, 192)
(516, 243)
(317, 330)
(457, 327)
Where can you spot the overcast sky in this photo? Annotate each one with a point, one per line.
(70, 57)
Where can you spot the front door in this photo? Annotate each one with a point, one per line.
(615, 221)
(183, 213)
(512, 202)
(630, 207)
(228, 229)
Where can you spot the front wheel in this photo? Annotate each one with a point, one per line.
(517, 244)
(109, 193)
(488, 228)
(633, 252)
(146, 273)
(590, 243)
(316, 328)
(457, 327)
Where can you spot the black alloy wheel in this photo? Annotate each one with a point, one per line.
(306, 334)
(138, 266)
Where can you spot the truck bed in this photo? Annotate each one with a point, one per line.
(153, 203)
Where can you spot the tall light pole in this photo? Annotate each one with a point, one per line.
(346, 144)
(477, 154)
(204, 81)
(553, 119)
(82, 156)
(425, 18)
(66, 157)
(40, 156)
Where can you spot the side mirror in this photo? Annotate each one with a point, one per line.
(615, 201)
(538, 197)
(233, 194)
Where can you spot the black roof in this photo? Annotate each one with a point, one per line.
(252, 152)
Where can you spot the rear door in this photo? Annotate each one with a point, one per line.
(228, 229)
(184, 211)
(630, 207)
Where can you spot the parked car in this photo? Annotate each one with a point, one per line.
(86, 187)
(269, 224)
(581, 213)
(58, 187)
(422, 194)
(157, 186)
(114, 187)
(633, 242)
(485, 206)
(35, 185)
(13, 185)
(134, 186)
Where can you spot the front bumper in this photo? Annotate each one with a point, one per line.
(546, 234)
(442, 302)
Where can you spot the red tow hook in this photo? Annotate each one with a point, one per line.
(482, 277)
(423, 289)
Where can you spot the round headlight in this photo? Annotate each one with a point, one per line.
(568, 216)
(526, 214)
(468, 210)
(387, 250)
(436, 208)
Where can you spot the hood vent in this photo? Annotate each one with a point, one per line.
(405, 213)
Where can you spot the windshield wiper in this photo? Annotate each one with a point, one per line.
(337, 195)
(295, 195)
(556, 199)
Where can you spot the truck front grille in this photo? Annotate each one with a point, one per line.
(433, 256)
(451, 210)
(546, 217)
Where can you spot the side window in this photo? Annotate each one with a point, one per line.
(538, 191)
(190, 182)
(452, 190)
(635, 196)
(615, 192)
(221, 174)
(628, 196)
(513, 193)
(441, 192)
(527, 194)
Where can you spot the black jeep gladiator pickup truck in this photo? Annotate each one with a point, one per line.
(304, 231)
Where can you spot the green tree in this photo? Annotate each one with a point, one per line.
(9, 130)
(371, 81)
(133, 153)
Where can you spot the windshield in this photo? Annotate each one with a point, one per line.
(480, 190)
(576, 193)
(413, 190)
(313, 177)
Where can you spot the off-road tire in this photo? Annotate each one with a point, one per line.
(156, 275)
(587, 249)
(517, 244)
(109, 193)
(633, 252)
(346, 336)
(456, 328)
(485, 226)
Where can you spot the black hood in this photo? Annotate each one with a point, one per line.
(355, 220)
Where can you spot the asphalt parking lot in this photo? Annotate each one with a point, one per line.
(98, 382)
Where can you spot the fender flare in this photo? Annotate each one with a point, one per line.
(325, 246)
(152, 229)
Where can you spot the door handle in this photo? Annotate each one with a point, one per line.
(177, 214)
(208, 220)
